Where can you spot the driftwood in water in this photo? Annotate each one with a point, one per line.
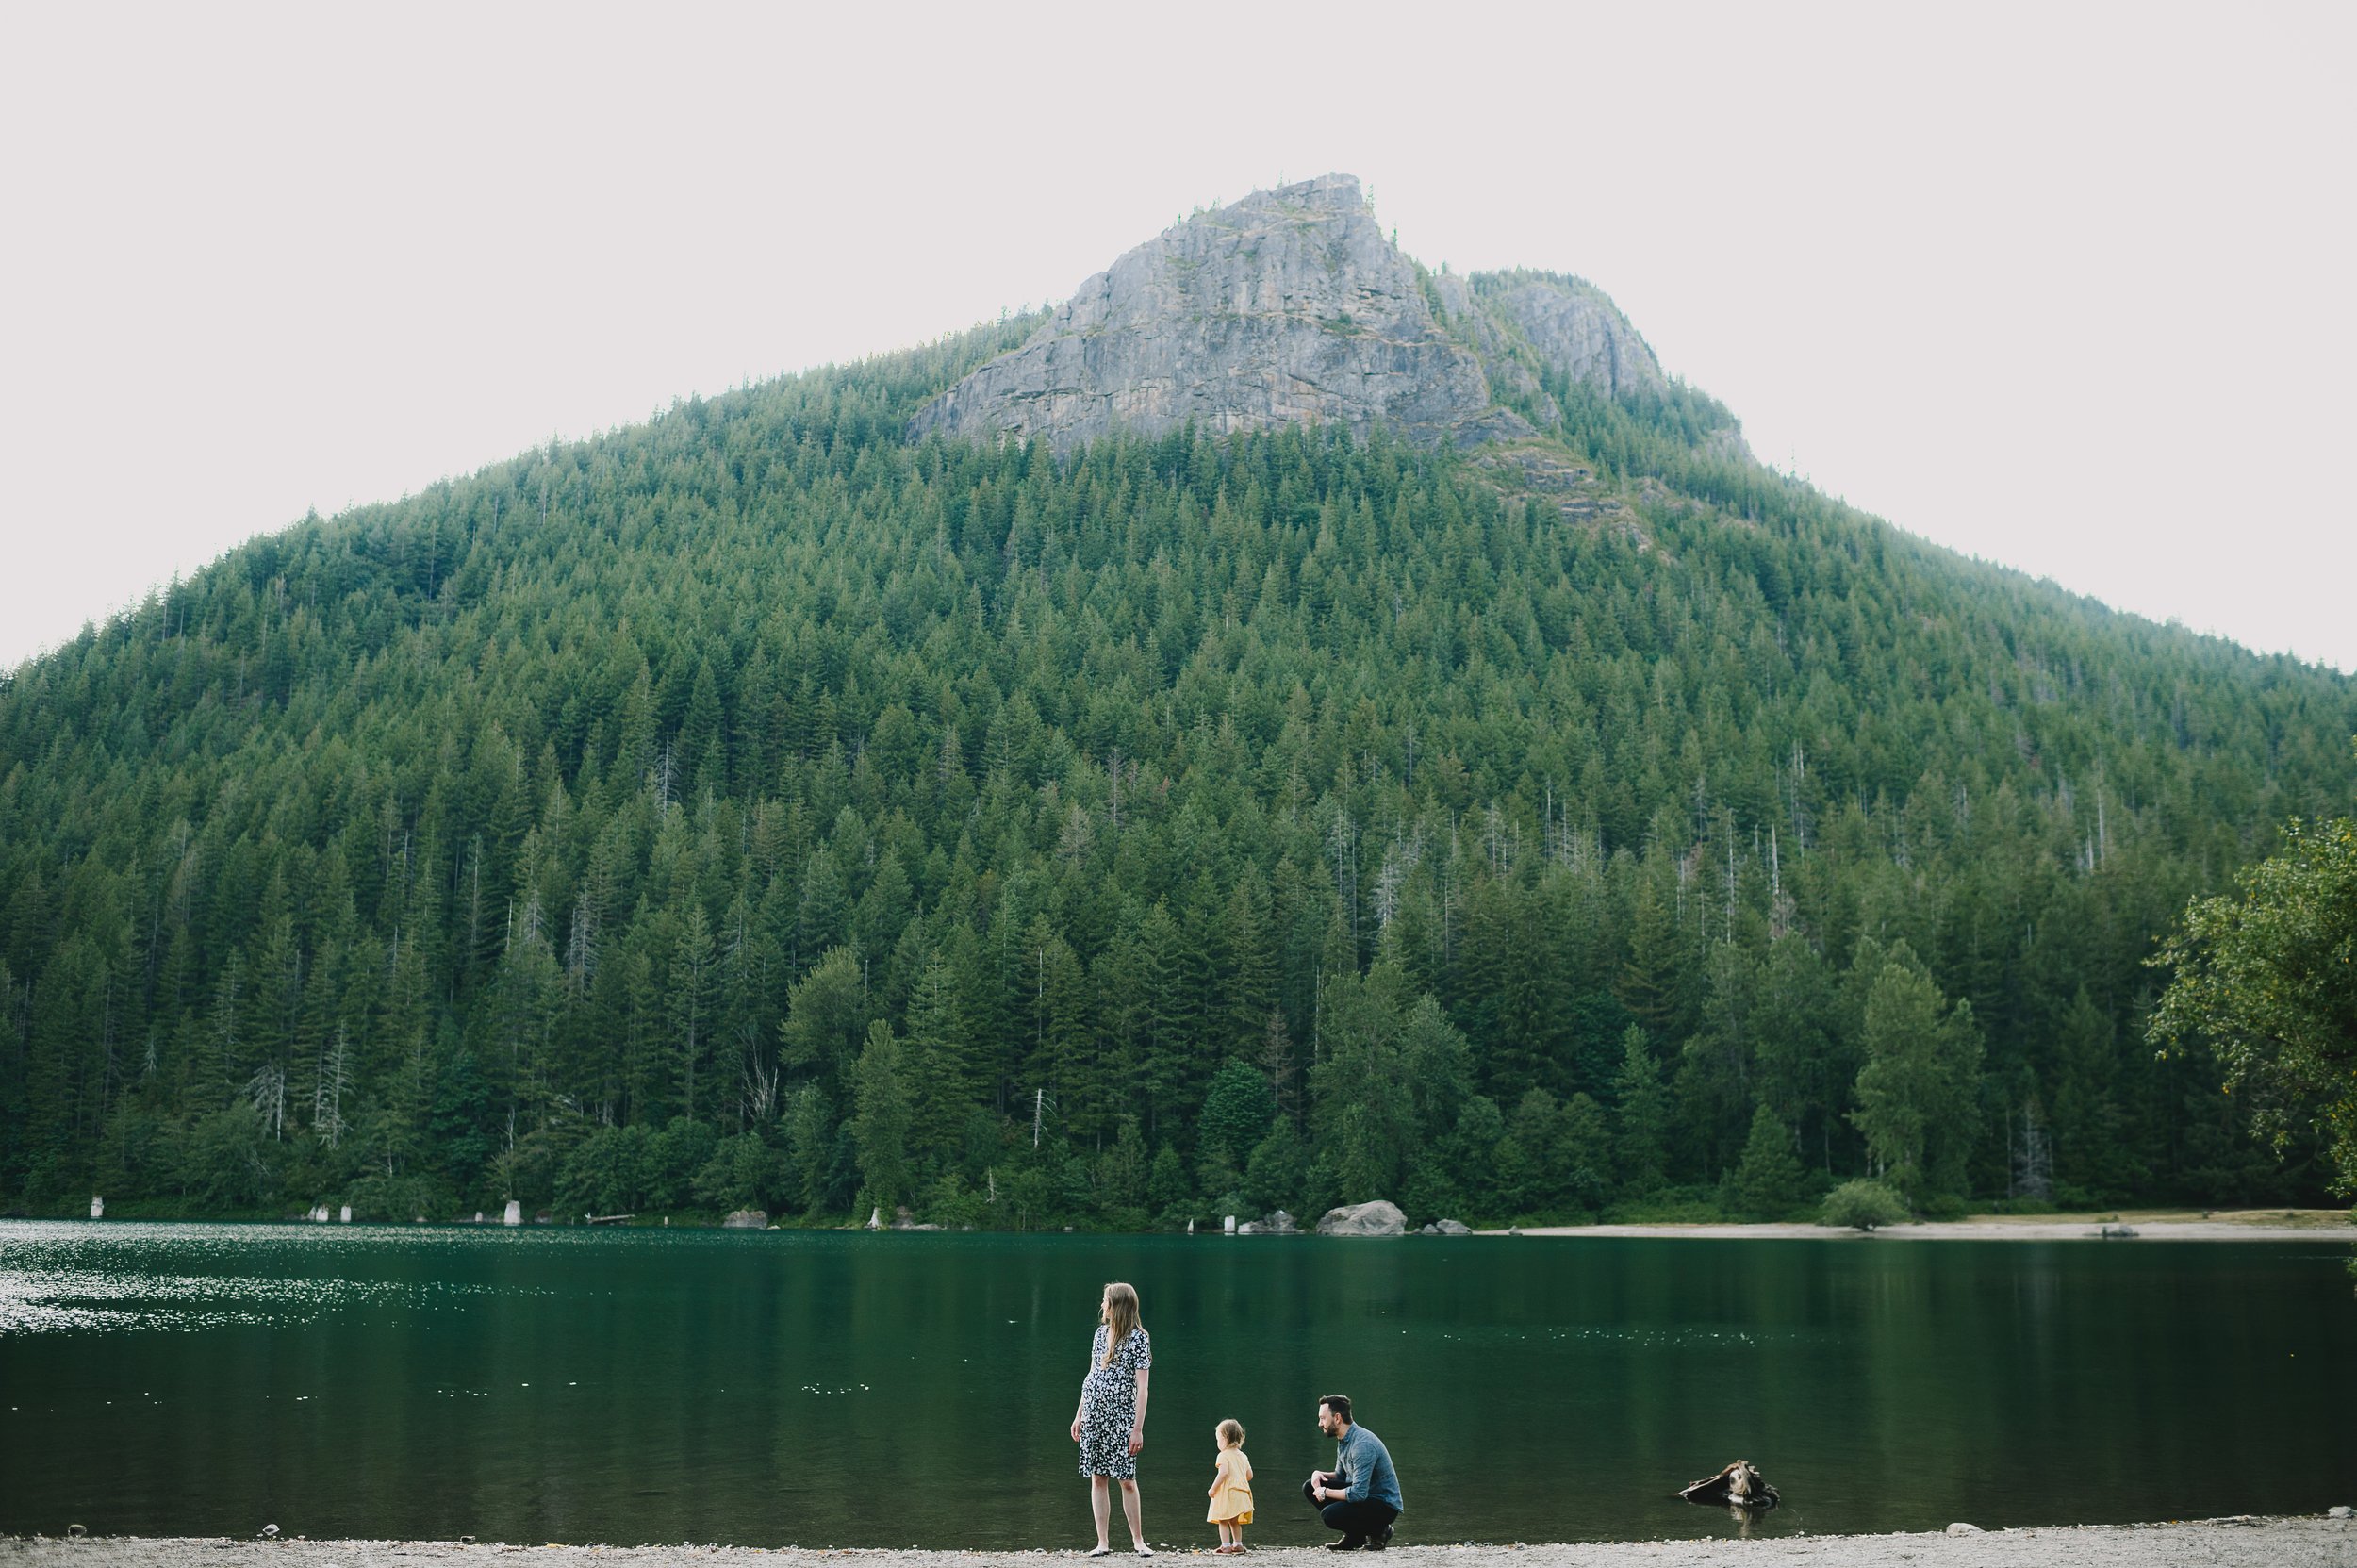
(608, 1219)
(1740, 1485)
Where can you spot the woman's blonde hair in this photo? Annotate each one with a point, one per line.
(1119, 1314)
(1231, 1432)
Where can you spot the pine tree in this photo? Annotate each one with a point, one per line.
(879, 1119)
(1640, 1116)
(1916, 1104)
(1766, 1183)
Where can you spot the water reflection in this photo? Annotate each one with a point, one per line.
(775, 1388)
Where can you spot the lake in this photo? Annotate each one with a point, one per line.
(842, 1389)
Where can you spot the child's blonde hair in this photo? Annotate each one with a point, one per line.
(1231, 1433)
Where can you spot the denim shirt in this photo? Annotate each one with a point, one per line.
(1360, 1456)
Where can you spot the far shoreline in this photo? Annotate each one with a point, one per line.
(2169, 1224)
(2180, 1225)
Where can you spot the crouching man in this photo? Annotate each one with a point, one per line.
(1359, 1496)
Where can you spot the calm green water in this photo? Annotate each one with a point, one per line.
(775, 1388)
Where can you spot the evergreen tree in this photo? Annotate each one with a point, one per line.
(1766, 1182)
(1640, 1117)
(1238, 1110)
(879, 1119)
(1916, 1101)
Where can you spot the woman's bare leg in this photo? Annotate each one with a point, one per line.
(1101, 1505)
(1130, 1511)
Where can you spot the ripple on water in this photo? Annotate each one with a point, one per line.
(70, 1278)
(1684, 1337)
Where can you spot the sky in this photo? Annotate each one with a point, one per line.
(2062, 286)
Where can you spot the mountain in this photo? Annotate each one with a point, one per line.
(1288, 308)
(1418, 756)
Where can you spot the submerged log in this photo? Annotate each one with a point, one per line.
(1740, 1485)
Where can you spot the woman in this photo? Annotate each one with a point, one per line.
(1109, 1425)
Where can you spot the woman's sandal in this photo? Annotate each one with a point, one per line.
(1102, 1551)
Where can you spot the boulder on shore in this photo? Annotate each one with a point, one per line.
(1377, 1218)
(1448, 1228)
(747, 1220)
(1280, 1224)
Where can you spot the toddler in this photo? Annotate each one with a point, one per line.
(1231, 1486)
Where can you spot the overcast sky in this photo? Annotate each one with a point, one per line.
(2065, 287)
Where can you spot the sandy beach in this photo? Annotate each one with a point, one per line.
(2171, 1225)
(2302, 1542)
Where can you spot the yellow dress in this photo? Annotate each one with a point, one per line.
(1231, 1490)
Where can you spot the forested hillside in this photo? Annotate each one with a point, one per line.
(754, 807)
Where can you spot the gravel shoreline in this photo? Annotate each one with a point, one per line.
(2299, 1542)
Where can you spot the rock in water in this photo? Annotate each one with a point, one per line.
(1377, 1218)
(1290, 306)
(1449, 1228)
(1280, 1224)
(747, 1220)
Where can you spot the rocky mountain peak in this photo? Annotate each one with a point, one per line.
(1288, 307)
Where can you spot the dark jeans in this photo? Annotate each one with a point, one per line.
(1357, 1521)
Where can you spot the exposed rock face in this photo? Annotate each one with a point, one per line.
(1574, 330)
(1377, 1218)
(1289, 306)
(747, 1220)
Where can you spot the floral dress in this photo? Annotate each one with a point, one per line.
(1109, 1404)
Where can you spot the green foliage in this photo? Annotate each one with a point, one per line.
(1642, 1124)
(611, 1172)
(1273, 1174)
(1917, 1104)
(222, 1162)
(1768, 1183)
(743, 1173)
(1238, 1108)
(879, 1119)
(553, 832)
(1167, 1190)
(2269, 980)
(1863, 1204)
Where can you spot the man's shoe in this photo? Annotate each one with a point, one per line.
(1381, 1538)
(1347, 1544)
